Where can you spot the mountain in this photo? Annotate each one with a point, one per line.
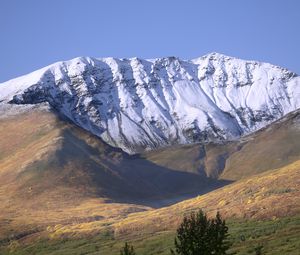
(42, 154)
(219, 130)
(47, 160)
(271, 147)
(53, 172)
(64, 191)
(51, 168)
(136, 104)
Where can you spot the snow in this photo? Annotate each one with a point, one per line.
(138, 104)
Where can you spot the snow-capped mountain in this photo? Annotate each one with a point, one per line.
(138, 104)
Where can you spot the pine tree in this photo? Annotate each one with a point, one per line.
(127, 250)
(198, 235)
(219, 235)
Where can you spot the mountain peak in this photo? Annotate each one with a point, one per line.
(216, 55)
(213, 56)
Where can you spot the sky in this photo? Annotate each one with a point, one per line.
(36, 33)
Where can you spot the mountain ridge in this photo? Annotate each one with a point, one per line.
(138, 105)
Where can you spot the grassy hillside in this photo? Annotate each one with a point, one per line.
(274, 146)
(52, 169)
(270, 195)
(261, 211)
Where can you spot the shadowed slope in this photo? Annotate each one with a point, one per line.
(51, 168)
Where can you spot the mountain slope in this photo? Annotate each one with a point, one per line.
(54, 148)
(49, 167)
(272, 194)
(264, 209)
(58, 183)
(269, 148)
(52, 156)
(137, 104)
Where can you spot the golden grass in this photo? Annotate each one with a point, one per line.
(269, 195)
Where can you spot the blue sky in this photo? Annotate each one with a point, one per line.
(36, 33)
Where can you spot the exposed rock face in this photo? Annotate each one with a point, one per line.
(137, 104)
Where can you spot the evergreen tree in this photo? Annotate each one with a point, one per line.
(198, 235)
(127, 250)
